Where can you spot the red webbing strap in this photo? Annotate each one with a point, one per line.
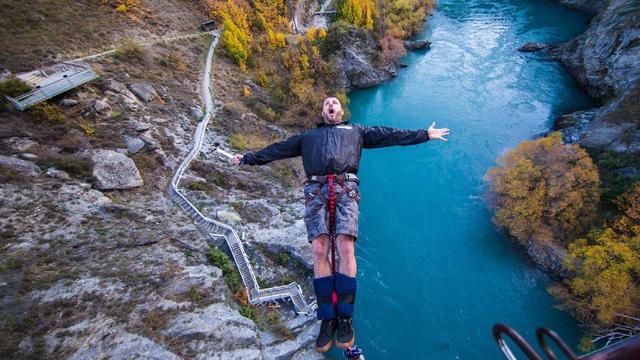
(332, 222)
(332, 232)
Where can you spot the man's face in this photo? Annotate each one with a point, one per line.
(332, 110)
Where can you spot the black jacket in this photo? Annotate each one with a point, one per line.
(335, 148)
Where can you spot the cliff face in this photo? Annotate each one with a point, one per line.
(358, 57)
(605, 60)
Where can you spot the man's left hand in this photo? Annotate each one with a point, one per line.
(437, 133)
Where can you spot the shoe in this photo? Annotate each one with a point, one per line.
(345, 336)
(325, 337)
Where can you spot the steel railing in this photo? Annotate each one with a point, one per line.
(215, 228)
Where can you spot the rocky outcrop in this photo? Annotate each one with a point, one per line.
(145, 92)
(416, 44)
(548, 257)
(113, 170)
(18, 165)
(357, 56)
(604, 60)
(532, 47)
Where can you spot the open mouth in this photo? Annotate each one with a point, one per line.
(331, 111)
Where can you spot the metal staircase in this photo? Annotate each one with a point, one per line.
(215, 229)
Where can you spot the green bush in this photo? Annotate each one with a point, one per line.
(13, 87)
(283, 258)
(229, 271)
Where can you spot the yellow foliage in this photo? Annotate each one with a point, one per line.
(245, 91)
(280, 39)
(236, 35)
(358, 12)
(121, 8)
(322, 33)
(311, 34)
(262, 79)
(88, 129)
(403, 18)
(606, 266)
(544, 191)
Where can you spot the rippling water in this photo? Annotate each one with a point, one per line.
(434, 274)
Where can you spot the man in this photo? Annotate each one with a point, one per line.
(334, 147)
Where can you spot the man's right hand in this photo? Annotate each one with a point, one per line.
(237, 159)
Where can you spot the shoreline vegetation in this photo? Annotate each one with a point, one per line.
(572, 198)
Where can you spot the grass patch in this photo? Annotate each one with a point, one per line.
(232, 278)
(76, 165)
(173, 60)
(13, 87)
(45, 111)
(247, 141)
(197, 186)
(130, 50)
(283, 258)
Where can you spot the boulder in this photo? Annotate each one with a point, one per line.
(100, 106)
(134, 144)
(18, 165)
(219, 325)
(113, 170)
(416, 44)
(532, 47)
(19, 144)
(140, 126)
(116, 86)
(145, 92)
(58, 174)
(196, 112)
(69, 102)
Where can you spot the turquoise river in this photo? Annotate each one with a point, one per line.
(434, 274)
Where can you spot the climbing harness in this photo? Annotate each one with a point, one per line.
(332, 233)
(352, 353)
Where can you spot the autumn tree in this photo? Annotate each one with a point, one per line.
(236, 34)
(606, 268)
(403, 18)
(358, 12)
(544, 190)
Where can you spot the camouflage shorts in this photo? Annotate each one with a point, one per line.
(316, 214)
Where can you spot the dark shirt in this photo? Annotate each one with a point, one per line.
(335, 148)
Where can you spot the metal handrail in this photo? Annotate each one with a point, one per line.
(540, 335)
(500, 329)
(230, 235)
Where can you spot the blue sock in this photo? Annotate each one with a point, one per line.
(324, 288)
(346, 290)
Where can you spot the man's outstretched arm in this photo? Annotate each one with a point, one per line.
(381, 136)
(288, 148)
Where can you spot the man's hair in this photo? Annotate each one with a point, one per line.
(331, 96)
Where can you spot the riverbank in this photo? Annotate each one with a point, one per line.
(604, 61)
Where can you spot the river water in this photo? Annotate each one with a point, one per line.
(434, 274)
